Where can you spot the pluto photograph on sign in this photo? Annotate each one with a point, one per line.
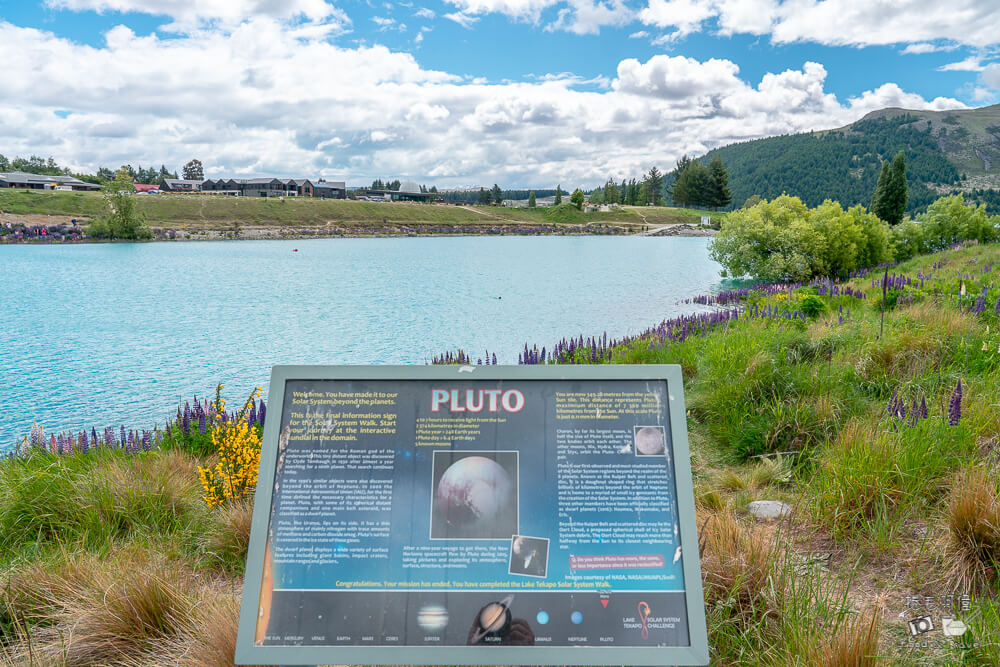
(474, 495)
(650, 441)
(529, 556)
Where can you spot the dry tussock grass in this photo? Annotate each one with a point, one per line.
(212, 639)
(938, 321)
(93, 612)
(854, 645)
(738, 567)
(974, 523)
(230, 534)
(169, 479)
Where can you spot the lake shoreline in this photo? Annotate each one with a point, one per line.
(77, 235)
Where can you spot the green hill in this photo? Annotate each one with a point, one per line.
(945, 151)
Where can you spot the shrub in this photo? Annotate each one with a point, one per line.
(124, 221)
(238, 445)
(783, 240)
(98, 229)
(949, 220)
(813, 306)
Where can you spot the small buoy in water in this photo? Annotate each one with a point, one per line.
(295, 250)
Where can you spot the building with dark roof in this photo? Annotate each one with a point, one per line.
(21, 179)
(408, 191)
(330, 189)
(271, 187)
(180, 185)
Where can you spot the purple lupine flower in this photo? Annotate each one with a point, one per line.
(186, 420)
(252, 417)
(923, 407)
(996, 308)
(145, 441)
(123, 435)
(891, 408)
(494, 359)
(955, 406)
(84, 445)
(93, 436)
(52, 443)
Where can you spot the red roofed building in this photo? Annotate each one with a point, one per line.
(143, 187)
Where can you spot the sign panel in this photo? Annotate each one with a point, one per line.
(475, 515)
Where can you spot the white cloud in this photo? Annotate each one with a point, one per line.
(462, 19)
(385, 23)
(226, 98)
(991, 76)
(587, 17)
(188, 14)
(529, 10)
(983, 95)
(836, 22)
(684, 15)
(425, 13)
(677, 77)
(891, 95)
(928, 47)
(641, 34)
(970, 64)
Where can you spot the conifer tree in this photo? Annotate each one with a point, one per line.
(558, 195)
(719, 194)
(897, 193)
(611, 192)
(531, 199)
(655, 180)
(880, 197)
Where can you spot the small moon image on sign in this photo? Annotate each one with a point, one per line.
(649, 441)
(432, 618)
(475, 499)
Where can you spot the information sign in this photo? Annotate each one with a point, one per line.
(530, 515)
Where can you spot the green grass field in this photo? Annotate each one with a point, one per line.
(114, 560)
(220, 212)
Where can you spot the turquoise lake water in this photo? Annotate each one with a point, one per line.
(109, 334)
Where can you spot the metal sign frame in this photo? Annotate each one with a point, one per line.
(695, 654)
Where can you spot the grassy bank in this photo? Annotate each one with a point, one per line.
(879, 427)
(223, 213)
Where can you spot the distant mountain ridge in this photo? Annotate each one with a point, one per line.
(945, 151)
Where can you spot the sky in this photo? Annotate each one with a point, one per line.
(463, 93)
